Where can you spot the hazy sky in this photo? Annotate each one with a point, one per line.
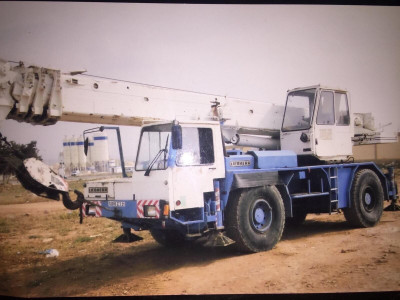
(253, 52)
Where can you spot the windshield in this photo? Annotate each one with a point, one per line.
(197, 148)
(153, 145)
(299, 108)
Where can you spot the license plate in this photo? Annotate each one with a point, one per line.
(116, 203)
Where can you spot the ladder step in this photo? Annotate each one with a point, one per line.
(333, 176)
(333, 201)
(306, 195)
(334, 189)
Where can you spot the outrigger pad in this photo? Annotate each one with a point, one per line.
(127, 238)
(392, 207)
(218, 239)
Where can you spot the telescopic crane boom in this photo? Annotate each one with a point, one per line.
(43, 96)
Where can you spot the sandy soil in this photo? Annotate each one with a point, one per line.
(323, 255)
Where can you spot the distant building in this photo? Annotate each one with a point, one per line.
(74, 158)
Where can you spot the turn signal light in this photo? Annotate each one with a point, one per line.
(166, 210)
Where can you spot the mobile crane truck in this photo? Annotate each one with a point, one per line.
(187, 183)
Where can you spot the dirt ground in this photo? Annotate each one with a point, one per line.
(323, 255)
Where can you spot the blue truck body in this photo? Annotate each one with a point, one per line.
(324, 188)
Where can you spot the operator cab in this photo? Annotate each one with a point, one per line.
(317, 125)
(174, 153)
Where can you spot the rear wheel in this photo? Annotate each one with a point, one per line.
(255, 219)
(168, 238)
(366, 200)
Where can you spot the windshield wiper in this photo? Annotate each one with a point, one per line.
(147, 173)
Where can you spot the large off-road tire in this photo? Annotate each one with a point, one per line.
(299, 216)
(168, 238)
(366, 200)
(255, 219)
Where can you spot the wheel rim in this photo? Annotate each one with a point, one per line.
(261, 215)
(369, 200)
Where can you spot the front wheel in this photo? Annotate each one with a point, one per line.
(366, 200)
(255, 219)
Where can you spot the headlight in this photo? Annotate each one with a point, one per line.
(150, 211)
(91, 210)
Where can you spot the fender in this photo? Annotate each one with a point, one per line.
(253, 179)
(373, 167)
(256, 179)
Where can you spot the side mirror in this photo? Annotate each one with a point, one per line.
(176, 137)
(86, 145)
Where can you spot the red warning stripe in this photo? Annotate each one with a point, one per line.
(98, 212)
(140, 207)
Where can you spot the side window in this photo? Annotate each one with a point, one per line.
(342, 109)
(326, 115)
(197, 147)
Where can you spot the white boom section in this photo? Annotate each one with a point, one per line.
(43, 96)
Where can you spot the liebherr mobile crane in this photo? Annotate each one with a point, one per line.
(187, 183)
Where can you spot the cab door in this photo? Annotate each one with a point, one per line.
(332, 126)
(343, 130)
(198, 163)
(297, 132)
(325, 125)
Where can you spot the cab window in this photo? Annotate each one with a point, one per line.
(342, 109)
(326, 113)
(197, 147)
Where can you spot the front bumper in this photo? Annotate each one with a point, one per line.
(126, 209)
